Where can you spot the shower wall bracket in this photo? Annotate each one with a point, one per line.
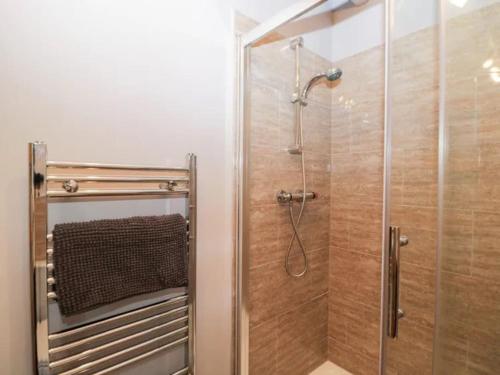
(297, 42)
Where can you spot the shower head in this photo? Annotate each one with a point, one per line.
(331, 74)
(359, 2)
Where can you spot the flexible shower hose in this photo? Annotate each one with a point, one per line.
(295, 224)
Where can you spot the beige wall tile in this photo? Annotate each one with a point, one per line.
(451, 348)
(469, 311)
(486, 246)
(264, 348)
(264, 115)
(318, 266)
(262, 236)
(274, 294)
(483, 355)
(456, 247)
(355, 276)
(417, 294)
(411, 353)
(351, 359)
(266, 285)
(354, 324)
(302, 337)
(469, 301)
(356, 213)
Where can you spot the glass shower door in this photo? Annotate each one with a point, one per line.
(411, 204)
(442, 180)
(467, 337)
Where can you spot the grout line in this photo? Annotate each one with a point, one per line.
(366, 356)
(314, 298)
(355, 252)
(316, 250)
(419, 266)
(474, 277)
(358, 303)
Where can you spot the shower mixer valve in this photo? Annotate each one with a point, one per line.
(286, 197)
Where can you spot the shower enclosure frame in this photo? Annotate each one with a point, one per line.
(243, 44)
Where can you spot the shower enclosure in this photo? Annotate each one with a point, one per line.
(369, 212)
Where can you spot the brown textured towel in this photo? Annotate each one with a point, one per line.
(102, 261)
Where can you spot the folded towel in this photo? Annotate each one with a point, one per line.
(102, 261)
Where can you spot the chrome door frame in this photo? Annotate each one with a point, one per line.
(386, 222)
(389, 31)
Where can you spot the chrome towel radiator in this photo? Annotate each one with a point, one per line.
(105, 345)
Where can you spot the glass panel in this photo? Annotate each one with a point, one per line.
(412, 186)
(287, 311)
(468, 325)
(332, 312)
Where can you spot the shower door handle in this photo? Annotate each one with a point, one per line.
(396, 240)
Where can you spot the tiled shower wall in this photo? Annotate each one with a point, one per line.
(288, 316)
(334, 312)
(357, 130)
(414, 173)
(468, 340)
(468, 332)
(357, 203)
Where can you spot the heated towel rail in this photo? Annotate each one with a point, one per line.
(106, 345)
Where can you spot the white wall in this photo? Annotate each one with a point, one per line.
(118, 81)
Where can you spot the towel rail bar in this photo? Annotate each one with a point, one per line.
(172, 319)
(62, 178)
(61, 338)
(66, 164)
(105, 365)
(146, 355)
(115, 192)
(184, 371)
(110, 348)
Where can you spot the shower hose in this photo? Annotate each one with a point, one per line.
(296, 223)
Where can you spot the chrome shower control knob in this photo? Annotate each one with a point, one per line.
(283, 197)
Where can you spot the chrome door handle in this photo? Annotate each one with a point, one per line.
(396, 241)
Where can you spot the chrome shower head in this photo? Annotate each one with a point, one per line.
(358, 2)
(331, 74)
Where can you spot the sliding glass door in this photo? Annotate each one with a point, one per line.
(411, 187)
(442, 254)
(467, 337)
